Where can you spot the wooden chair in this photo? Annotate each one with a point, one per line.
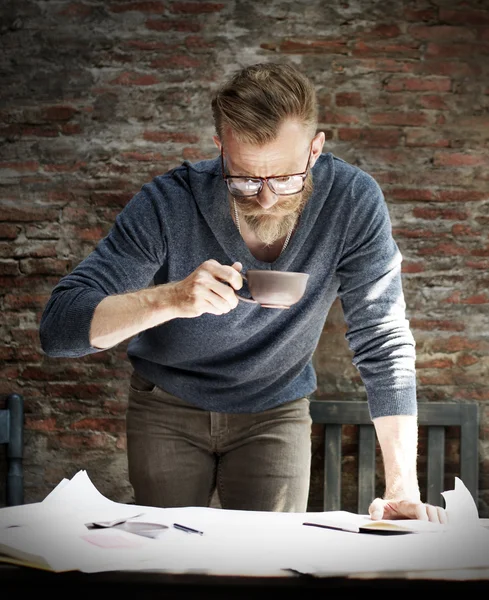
(435, 416)
(12, 435)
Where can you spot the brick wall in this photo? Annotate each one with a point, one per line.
(97, 97)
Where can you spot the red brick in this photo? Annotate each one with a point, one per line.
(196, 7)
(416, 233)
(34, 249)
(372, 49)
(8, 232)
(419, 84)
(38, 424)
(9, 267)
(44, 231)
(144, 7)
(144, 45)
(439, 213)
(90, 234)
(435, 363)
(21, 167)
(464, 16)
(117, 199)
(436, 324)
(480, 251)
(432, 102)
(329, 116)
(457, 159)
(425, 138)
(71, 129)
(457, 298)
(171, 136)
(176, 62)
(399, 118)
(482, 265)
(136, 79)
(443, 249)
(45, 266)
(410, 194)
(460, 230)
(110, 425)
(143, 156)
(296, 46)
(83, 391)
(349, 99)
(80, 441)
(64, 167)
(171, 25)
(197, 42)
(452, 68)
(371, 137)
(389, 65)
(27, 213)
(382, 31)
(456, 51)
(412, 267)
(20, 301)
(424, 14)
(466, 360)
(55, 372)
(76, 10)
(59, 113)
(446, 33)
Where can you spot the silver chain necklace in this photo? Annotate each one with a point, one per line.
(236, 218)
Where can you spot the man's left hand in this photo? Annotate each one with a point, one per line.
(406, 509)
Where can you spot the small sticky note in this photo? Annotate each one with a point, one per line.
(109, 539)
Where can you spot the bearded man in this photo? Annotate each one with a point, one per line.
(219, 391)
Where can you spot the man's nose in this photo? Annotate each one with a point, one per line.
(266, 198)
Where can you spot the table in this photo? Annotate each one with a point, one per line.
(165, 585)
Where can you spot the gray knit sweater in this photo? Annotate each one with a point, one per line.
(252, 358)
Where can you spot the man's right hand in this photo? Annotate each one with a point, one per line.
(208, 289)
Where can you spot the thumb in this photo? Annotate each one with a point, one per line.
(238, 266)
(376, 509)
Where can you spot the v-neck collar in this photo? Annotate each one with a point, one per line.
(211, 195)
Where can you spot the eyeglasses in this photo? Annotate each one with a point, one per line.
(283, 185)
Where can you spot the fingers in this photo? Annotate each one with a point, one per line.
(208, 289)
(435, 514)
(405, 509)
(376, 509)
(224, 273)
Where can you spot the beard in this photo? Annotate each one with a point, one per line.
(276, 222)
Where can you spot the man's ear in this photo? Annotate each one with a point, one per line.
(317, 146)
(217, 142)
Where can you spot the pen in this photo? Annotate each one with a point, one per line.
(337, 526)
(187, 529)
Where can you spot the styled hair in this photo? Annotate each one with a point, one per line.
(256, 100)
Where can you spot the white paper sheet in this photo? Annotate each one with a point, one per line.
(233, 543)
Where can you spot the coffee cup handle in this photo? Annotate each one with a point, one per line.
(247, 299)
(242, 297)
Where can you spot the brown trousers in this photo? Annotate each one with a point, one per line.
(179, 454)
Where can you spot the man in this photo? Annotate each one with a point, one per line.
(219, 392)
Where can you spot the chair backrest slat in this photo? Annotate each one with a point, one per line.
(332, 467)
(435, 416)
(366, 467)
(12, 434)
(435, 465)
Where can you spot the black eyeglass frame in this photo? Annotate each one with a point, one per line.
(262, 180)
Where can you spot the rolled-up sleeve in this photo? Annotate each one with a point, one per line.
(125, 260)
